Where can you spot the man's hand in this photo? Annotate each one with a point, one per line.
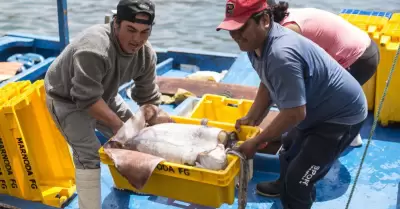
(101, 112)
(245, 121)
(248, 148)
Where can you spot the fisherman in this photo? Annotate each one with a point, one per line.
(321, 105)
(82, 87)
(348, 45)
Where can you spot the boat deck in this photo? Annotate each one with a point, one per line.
(378, 185)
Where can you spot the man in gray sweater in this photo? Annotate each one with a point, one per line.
(82, 87)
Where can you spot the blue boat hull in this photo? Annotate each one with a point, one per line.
(378, 185)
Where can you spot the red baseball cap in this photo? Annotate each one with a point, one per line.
(237, 12)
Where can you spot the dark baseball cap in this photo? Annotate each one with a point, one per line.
(128, 9)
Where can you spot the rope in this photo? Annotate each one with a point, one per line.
(243, 178)
(373, 126)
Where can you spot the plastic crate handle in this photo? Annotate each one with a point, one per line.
(232, 105)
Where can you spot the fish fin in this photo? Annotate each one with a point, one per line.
(198, 165)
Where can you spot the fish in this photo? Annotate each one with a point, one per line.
(152, 131)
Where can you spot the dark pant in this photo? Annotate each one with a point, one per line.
(365, 66)
(306, 158)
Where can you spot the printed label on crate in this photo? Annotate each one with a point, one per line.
(7, 166)
(27, 163)
(3, 184)
(170, 169)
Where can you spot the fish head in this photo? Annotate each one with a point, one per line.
(215, 159)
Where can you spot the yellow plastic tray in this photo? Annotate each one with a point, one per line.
(186, 183)
(366, 22)
(41, 164)
(373, 25)
(220, 108)
(389, 44)
(9, 182)
(395, 18)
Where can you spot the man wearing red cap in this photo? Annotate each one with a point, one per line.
(321, 105)
(82, 87)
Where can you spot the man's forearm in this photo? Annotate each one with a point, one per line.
(261, 104)
(283, 122)
(101, 112)
(146, 94)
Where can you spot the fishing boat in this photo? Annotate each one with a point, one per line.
(364, 177)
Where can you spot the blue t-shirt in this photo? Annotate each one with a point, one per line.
(296, 71)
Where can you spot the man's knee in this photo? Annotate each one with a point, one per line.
(85, 150)
(290, 137)
(298, 181)
(86, 159)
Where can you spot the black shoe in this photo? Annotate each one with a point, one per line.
(269, 188)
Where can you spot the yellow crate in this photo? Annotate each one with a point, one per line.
(11, 87)
(7, 164)
(369, 91)
(395, 18)
(372, 25)
(221, 109)
(42, 163)
(366, 22)
(5, 168)
(389, 44)
(187, 183)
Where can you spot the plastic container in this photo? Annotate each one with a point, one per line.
(41, 164)
(395, 18)
(366, 22)
(389, 44)
(220, 108)
(8, 179)
(186, 183)
(371, 22)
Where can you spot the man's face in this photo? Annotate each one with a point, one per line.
(251, 35)
(132, 36)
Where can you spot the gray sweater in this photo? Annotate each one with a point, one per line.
(93, 66)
